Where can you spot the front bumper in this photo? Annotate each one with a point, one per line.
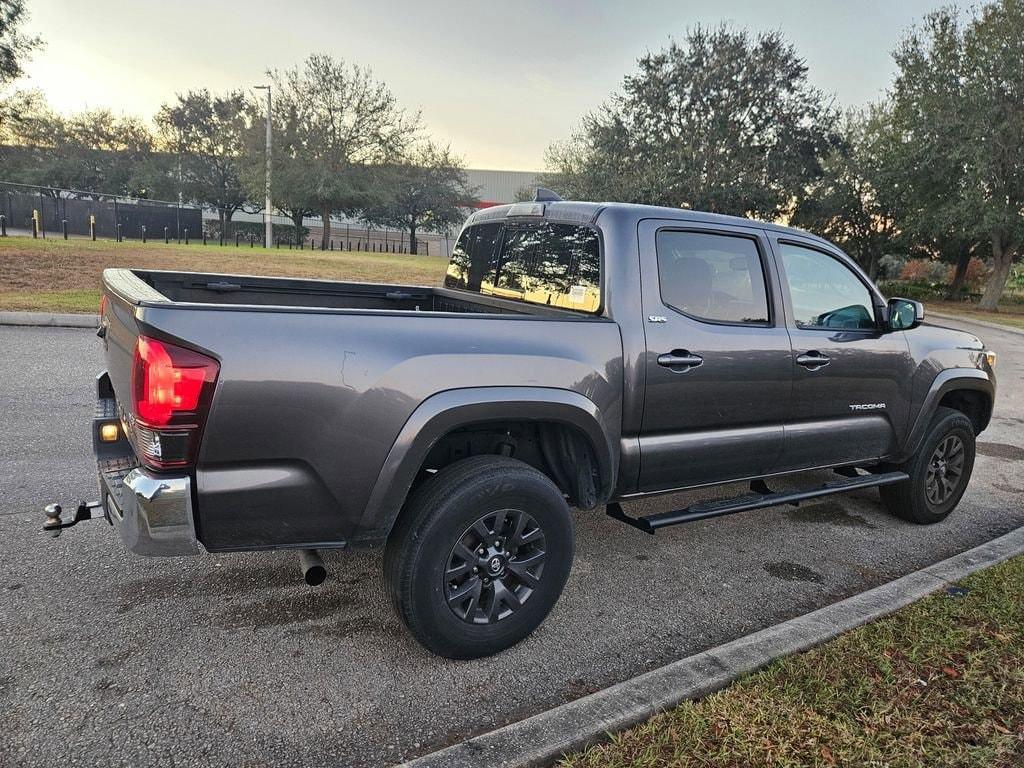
(152, 513)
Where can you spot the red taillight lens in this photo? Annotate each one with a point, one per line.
(171, 387)
(103, 305)
(168, 380)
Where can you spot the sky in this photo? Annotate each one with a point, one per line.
(499, 81)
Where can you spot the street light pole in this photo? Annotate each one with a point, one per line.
(268, 227)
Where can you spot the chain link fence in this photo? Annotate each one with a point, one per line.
(49, 212)
(52, 212)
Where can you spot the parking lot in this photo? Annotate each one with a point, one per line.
(109, 659)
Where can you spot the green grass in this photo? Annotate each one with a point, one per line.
(1009, 313)
(939, 683)
(64, 276)
(51, 301)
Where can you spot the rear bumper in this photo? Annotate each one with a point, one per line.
(152, 513)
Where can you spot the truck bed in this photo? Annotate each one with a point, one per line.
(318, 378)
(212, 288)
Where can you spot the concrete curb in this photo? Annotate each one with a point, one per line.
(543, 738)
(50, 319)
(971, 320)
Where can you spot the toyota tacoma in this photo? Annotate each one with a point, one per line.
(577, 355)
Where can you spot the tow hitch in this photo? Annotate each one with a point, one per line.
(54, 524)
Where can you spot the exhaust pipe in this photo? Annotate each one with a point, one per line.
(313, 570)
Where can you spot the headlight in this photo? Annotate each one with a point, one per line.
(990, 358)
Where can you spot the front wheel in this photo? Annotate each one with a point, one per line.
(479, 556)
(939, 471)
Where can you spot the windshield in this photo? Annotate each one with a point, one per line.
(557, 265)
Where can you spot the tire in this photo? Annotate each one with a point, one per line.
(932, 492)
(494, 504)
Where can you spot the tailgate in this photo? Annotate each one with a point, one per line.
(123, 293)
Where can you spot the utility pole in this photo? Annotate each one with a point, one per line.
(268, 226)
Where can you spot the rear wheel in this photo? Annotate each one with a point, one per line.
(480, 556)
(939, 471)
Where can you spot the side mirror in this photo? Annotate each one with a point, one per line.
(905, 314)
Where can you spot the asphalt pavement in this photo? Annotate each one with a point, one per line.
(107, 659)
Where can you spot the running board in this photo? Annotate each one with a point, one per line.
(762, 497)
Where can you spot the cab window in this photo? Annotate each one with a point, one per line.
(558, 265)
(711, 277)
(824, 292)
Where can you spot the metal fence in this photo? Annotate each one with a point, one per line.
(52, 212)
(49, 212)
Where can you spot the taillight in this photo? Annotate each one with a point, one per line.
(171, 392)
(103, 305)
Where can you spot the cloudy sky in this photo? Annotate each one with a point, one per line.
(499, 80)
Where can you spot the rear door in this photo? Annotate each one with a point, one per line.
(718, 360)
(851, 379)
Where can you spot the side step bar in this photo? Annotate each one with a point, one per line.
(762, 497)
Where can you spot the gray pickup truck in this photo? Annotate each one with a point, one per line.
(578, 354)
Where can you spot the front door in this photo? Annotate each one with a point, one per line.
(851, 378)
(718, 360)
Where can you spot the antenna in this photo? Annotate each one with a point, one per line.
(544, 195)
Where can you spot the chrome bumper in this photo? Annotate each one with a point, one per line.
(153, 513)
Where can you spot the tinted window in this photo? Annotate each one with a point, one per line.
(824, 292)
(712, 277)
(558, 265)
(473, 257)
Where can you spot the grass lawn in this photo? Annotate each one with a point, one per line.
(939, 683)
(64, 276)
(1008, 314)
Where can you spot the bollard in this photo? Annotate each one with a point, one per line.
(35, 224)
(119, 237)
(3, 225)
(92, 227)
(186, 235)
(221, 236)
(251, 240)
(359, 245)
(204, 237)
(278, 243)
(64, 228)
(167, 236)
(332, 245)
(143, 233)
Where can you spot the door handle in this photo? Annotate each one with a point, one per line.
(680, 359)
(813, 360)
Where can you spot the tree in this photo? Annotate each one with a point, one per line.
(724, 122)
(853, 203)
(291, 169)
(928, 153)
(93, 151)
(341, 122)
(994, 56)
(958, 103)
(428, 190)
(206, 132)
(14, 46)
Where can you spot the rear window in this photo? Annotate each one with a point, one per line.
(557, 265)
